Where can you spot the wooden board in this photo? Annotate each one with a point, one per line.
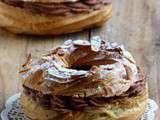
(135, 23)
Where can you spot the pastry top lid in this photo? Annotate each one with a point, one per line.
(96, 68)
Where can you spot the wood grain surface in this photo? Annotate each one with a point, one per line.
(135, 23)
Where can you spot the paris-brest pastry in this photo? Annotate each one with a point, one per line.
(83, 80)
(43, 17)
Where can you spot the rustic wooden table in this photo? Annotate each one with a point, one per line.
(135, 23)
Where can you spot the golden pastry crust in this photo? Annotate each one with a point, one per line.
(20, 21)
(127, 109)
(111, 72)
